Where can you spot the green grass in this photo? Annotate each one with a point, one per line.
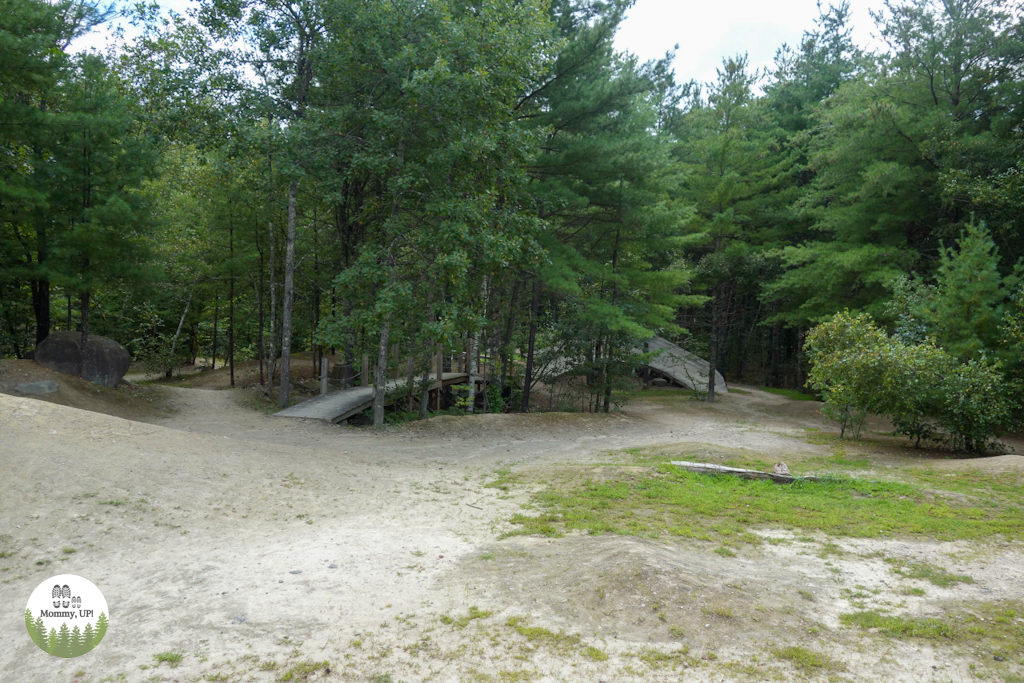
(662, 500)
(303, 670)
(172, 658)
(809, 660)
(462, 622)
(995, 628)
(793, 394)
(542, 636)
(937, 576)
(744, 392)
(900, 627)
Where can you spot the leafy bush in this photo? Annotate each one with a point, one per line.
(925, 392)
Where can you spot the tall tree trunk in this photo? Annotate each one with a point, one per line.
(216, 311)
(41, 287)
(177, 333)
(473, 353)
(506, 347)
(272, 338)
(231, 302)
(528, 378)
(261, 341)
(289, 295)
(380, 375)
(713, 346)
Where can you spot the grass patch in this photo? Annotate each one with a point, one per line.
(793, 394)
(937, 576)
(172, 658)
(303, 670)
(743, 392)
(595, 654)
(809, 660)
(542, 636)
(114, 502)
(899, 627)
(663, 500)
(505, 480)
(461, 622)
(69, 550)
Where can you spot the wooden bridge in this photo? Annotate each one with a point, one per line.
(345, 403)
(682, 367)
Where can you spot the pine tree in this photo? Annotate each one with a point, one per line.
(52, 642)
(88, 637)
(101, 629)
(33, 632)
(77, 644)
(64, 641)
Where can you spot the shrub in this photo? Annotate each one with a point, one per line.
(925, 392)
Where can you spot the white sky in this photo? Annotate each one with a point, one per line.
(706, 31)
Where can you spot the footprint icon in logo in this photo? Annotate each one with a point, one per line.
(65, 593)
(76, 601)
(56, 595)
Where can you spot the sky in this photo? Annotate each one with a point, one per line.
(705, 30)
(708, 30)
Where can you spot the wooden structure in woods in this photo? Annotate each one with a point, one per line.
(674, 363)
(682, 367)
(345, 403)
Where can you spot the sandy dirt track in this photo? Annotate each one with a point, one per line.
(259, 548)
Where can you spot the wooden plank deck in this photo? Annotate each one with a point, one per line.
(343, 404)
(673, 362)
(682, 366)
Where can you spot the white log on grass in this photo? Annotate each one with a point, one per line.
(711, 468)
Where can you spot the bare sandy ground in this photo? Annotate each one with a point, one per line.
(265, 549)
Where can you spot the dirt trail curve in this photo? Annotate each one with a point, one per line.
(255, 547)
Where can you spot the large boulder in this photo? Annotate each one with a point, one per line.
(104, 361)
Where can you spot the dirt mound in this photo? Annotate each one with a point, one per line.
(131, 402)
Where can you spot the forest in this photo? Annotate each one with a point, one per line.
(495, 180)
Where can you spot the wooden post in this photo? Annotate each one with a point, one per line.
(366, 371)
(440, 375)
(410, 378)
(323, 375)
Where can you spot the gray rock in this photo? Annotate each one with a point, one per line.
(659, 382)
(295, 571)
(103, 361)
(239, 618)
(37, 388)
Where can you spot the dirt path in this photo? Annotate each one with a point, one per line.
(258, 547)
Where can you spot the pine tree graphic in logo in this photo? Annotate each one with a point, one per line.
(77, 621)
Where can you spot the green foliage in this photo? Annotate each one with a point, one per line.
(923, 390)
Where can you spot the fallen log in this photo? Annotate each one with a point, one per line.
(710, 468)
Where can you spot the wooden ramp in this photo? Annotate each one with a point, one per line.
(683, 367)
(673, 362)
(345, 403)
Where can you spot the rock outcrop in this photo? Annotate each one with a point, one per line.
(103, 361)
